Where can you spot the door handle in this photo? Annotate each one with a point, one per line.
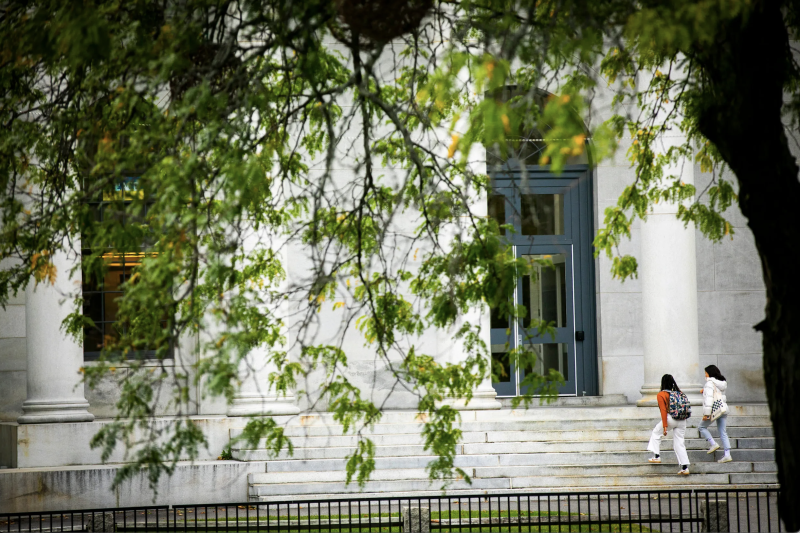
(579, 335)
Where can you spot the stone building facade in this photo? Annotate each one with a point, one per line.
(694, 303)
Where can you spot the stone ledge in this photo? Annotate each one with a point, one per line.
(71, 488)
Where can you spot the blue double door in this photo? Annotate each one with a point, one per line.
(553, 230)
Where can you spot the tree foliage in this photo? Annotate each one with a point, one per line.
(255, 129)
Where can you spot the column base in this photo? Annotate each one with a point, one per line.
(693, 391)
(481, 400)
(55, 411)
(258, 405)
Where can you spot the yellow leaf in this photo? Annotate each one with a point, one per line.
(506, 123)
(565, 99)
(451, 151)
(490, 69)
(337, 305)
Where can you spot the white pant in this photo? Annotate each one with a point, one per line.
(678, 431)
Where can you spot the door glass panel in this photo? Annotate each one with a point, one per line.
(550, 357)
(542, 214)
(501, 364)
(544, 293)
(497, 210)
(499, 320)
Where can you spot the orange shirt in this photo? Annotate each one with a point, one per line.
(663, 405)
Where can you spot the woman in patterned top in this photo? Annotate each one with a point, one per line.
(678, 427)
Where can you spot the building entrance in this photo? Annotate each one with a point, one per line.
(553, 230)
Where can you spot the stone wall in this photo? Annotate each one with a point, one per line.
(33, 490)
(13, 387)
(731, 299)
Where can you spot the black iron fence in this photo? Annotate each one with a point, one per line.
(667, 510)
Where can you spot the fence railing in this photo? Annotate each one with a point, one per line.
(667, 510)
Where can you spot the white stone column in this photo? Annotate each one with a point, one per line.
(54, 360)
(484, 396)
(255, 397)
(668, 272)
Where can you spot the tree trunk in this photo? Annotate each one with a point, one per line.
(747, 68)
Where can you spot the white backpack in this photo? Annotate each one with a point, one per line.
(719, 407)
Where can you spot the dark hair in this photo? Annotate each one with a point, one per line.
(668, 383)
(714, 372)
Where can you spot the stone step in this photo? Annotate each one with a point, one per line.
(575, 401)
(326, 453)
(636, 469)
(537, 482)
(434, 492)
(554, 472)
(607, 412)
(541, 449)
(655, 479)
(535, 413)
(395, 439)
(547, 429)
(491, 448)
(339, 487)
(598, 446)
(667, 456)
(761, 409)
(762, 460)
(319, 429)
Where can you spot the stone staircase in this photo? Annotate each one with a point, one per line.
(542, 449)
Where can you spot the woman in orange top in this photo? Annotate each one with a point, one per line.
(678, 427)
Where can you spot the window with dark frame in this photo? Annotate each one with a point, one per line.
(100, 295)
